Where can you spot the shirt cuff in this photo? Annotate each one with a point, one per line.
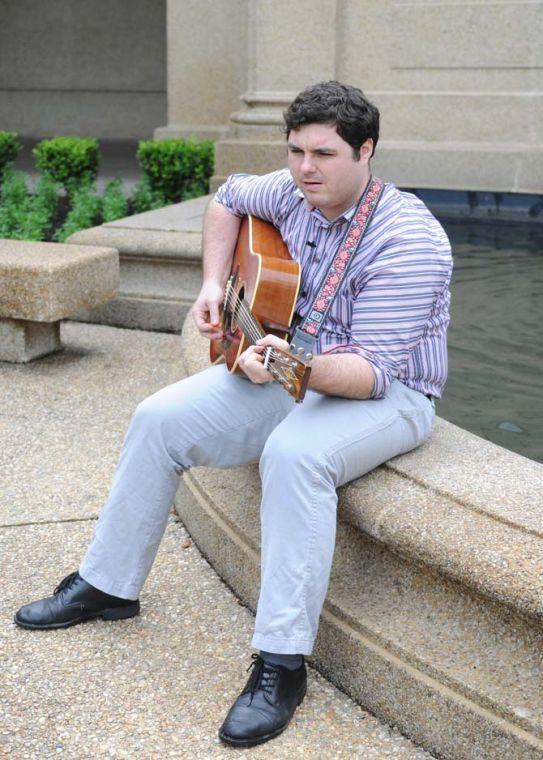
(225, 196)
(382, 377)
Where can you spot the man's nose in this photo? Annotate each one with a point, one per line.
(308, 164)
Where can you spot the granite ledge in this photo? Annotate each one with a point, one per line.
(173, 232)
(144, 243)
(456, 515)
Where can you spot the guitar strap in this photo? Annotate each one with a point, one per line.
(305, 336)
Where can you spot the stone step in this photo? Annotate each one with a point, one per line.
(160, 266)
(433, 619)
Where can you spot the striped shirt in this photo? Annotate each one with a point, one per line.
(393, 305)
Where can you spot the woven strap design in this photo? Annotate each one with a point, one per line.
(338, 269)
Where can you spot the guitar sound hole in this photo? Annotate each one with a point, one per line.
(237, 303)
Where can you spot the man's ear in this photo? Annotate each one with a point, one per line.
(366, 149)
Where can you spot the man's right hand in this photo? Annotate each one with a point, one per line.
(206, 310)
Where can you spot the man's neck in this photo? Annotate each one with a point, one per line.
(335, 213)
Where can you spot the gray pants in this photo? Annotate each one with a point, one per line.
(305, 452)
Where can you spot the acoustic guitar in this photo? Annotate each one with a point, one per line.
(259, 299)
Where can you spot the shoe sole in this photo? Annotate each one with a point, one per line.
(113, 613)
(266, 737)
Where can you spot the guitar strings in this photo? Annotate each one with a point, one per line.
(245, 320)
(243, 315)
(241, 309)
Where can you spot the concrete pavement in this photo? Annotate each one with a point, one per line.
(156, 685)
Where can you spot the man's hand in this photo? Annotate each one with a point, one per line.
(220, 232)
(251, 360)
(205, 311)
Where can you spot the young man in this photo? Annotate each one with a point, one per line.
(379, 361)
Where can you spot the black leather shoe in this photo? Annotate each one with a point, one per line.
(266, 704)
(73, 601)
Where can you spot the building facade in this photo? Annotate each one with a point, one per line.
(459, 84)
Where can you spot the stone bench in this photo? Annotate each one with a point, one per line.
(42, 283)
(434, 614)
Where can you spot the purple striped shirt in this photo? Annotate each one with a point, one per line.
(393, 305)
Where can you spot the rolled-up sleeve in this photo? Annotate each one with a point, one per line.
(403, 298)
(262, 196)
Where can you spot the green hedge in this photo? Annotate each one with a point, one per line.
(114, 204)
(25, 215)
(175, 170)
(10, 147)
(71, 161)
(85, 212)
(65, 198)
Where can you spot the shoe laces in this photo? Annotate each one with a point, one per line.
(66, 582)
(263, 676)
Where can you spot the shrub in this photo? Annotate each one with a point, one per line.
(14, 202)
(70, 161)
(86, 212)
(14, 190)
(144, 198)
(25, 216)
(175, 170)
(10, 148)
(41, 211)
(114, 204)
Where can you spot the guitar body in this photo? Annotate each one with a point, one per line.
(265, 277)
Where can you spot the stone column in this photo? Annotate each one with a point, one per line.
(290, 45)
(207, 66)
(456, 113)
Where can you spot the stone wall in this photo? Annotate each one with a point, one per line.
(458, 85)
(207, 66)
(83, 68)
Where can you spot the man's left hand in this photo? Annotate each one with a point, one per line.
(251, 360)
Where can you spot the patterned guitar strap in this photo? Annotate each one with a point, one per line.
(305, 336)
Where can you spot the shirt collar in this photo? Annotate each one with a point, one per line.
(346, 216)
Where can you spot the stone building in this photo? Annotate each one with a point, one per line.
(459, 85)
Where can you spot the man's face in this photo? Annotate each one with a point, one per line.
(324, 167)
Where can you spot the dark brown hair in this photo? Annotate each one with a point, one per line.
(355, 118)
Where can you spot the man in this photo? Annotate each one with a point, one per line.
(379, 361)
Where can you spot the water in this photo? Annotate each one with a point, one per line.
(495, 386)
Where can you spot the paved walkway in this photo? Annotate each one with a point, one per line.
(157, 685)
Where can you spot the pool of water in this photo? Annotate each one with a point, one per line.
(495, 386)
